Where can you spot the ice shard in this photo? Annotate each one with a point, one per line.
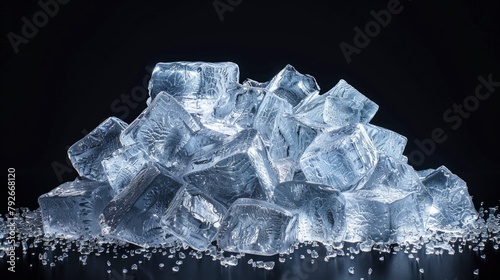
(72, 209)
(257, 227)
(87, 153)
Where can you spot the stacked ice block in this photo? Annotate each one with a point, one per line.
(255, 166)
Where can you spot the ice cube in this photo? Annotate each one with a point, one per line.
(72, 209)
(236, 108)
(194, 217)
(239, 167)
(320, 210)
(386, 141)
(345, 105)
(257, 227)
(339, 158)
(253, 83)
(292, 86)
(163, 128)
(87, 153)
(271, 107)
(366, 219)
(452, 208)
(407, 219)
(196, 85)
(134, 215)
(124, 164)
(390, 180)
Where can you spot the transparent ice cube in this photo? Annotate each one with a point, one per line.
(386, 141)
(339, 158)
(194, 217)
(72, 209)
(134, 215)
(257, 227)
(271, 107)
(87, 153)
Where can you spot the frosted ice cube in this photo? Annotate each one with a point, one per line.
(72, 209)
(452, 208)
(257, 227)
(134, 215)
(87, 153)
(346, 105)
(320, 210)
(239, 167)
(236, 108)
(271, 107)
(292, 86)
(366, 219)
(310, 110)
(194, 217)
(339, 158)
(122, 166)
(196, 85)
(290, 138)
(390, 180)
(386, 141)
(163, 128)
(407, 219)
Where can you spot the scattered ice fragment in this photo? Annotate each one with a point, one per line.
(87, 153)
(320, 210)
(72, 209)
(476, 271)
(193, 217)
(351, 270)
(339, 158)
(238, 168)
(134, 214)
(196, 85)
(257, 227)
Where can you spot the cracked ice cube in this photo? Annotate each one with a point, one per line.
(257, 227)
(194, 217)
(271, 107)
(366, 219)
(196, 85)
(386, 141)
(390, 180)
(238, 168)
(236, 109)
(164, 127)
(87, 153)
(345, 105)
(71, 210)
(134, 215)
(452, 208)
(339, 158)
(292, 86)
(122, 166)
(320, 210)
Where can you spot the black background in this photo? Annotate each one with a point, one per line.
(91, 56)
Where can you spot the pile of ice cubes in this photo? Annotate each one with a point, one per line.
(255, 167)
